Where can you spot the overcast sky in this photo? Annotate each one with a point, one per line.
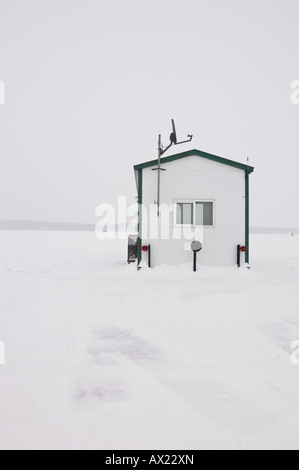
(91, 83)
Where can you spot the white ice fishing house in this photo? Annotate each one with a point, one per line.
(209, 199)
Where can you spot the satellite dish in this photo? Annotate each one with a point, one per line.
(173, 136)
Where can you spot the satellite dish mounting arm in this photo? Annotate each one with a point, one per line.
(174, 140)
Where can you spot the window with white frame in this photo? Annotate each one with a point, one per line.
(198, 213)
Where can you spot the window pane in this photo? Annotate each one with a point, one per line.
(184, 213)
(204, 213)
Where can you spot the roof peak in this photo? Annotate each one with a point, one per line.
(198, 153)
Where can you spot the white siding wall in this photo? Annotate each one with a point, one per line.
(199, 178)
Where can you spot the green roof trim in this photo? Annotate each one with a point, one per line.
(247, 236)
(197, 153)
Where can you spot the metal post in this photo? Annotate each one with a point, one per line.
(194, 261)
(239, 256)
(149, 256)
(161, 151)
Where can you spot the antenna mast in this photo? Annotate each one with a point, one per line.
(161, 151)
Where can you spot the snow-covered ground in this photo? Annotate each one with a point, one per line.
(100, 356)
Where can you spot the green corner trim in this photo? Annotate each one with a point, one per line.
(139, 242)
(198, 153)
(247, 216)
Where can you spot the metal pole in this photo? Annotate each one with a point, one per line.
(194, 261)
(239, 256)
